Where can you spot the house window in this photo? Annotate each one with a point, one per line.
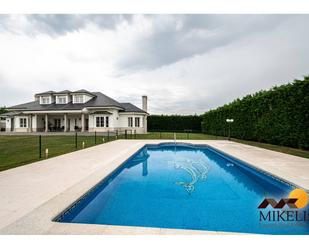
(130, 122)
(57, 123)
(137, 122)
(99, 121)
(107, 121)
(62, 100)
(78, 99)
(22, 122)
(45, 100)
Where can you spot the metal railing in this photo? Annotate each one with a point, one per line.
(19, 149)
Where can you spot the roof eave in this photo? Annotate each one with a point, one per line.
(132, 112)
(106, 106)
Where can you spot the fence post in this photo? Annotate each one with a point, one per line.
(108, 135)
(187, 134)
(160, 135)
(134, 134)
(95, 137)
(76, 140)
(125, 134)
(40, 146)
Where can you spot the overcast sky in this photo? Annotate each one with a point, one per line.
(186, 64)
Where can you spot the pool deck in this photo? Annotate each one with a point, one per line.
(32, 195)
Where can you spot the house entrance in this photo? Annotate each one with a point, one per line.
(57, 123)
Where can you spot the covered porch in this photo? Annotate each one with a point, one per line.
(58, 122)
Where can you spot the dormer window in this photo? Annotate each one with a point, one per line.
(61, 100)
(78, 99)
(45, 100)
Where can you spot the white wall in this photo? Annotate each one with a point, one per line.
(72, 121)
(8, 124)
(17, 127)
(113, 118)
(123, 119)
(117, 121)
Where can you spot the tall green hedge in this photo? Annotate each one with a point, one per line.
(277, 116)
(3, 110)
(174, 123)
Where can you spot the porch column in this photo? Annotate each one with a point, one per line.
(30, 123)
(65, 122)
(46, 122)
(83, 122)
(35, 126)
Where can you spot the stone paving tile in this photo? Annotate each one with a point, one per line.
(32, 195)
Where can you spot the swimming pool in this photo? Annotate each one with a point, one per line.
(183, 186)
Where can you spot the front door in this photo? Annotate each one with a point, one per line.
(57, 123)
(12, 124)
(87, 124)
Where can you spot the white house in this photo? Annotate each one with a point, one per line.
(76, 111)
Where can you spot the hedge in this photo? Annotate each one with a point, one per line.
(3, 110)
(278, 116)
(174, 123)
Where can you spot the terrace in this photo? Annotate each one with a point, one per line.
(31, 199)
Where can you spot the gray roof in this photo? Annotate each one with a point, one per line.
(83, 91)
(43, 93)
(99, 100)
(128, 107)
(9, 114)
(63, 92)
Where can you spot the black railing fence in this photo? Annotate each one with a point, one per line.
(27, 148)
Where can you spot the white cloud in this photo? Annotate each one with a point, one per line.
(185, 64)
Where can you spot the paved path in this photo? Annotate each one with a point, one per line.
(32, 195)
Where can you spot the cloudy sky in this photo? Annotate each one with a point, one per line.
(184, 63)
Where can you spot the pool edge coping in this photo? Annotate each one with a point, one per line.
(70, 198)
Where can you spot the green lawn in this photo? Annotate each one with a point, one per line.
(283, 149)
(197, 136)
(19, 150)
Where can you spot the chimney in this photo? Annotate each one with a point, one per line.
(144, 103)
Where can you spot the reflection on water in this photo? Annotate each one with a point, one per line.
(197, 170)
(229, 164)
(140, 158)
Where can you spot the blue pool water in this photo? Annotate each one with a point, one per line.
(183, 187)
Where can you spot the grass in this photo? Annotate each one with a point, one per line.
(283, 149)
(170, 135)
(197, 136)
(19, 150)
